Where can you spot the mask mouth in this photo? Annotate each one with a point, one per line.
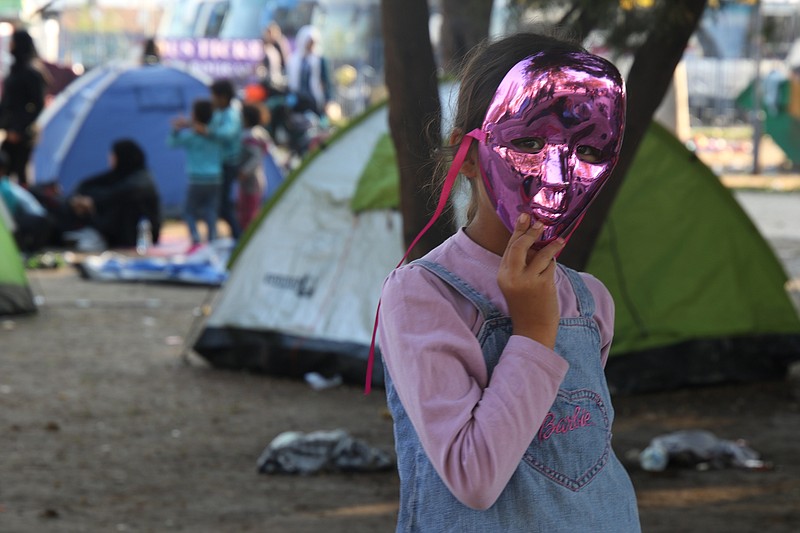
(547, 216)
(547, 203)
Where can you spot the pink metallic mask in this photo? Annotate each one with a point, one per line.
(552, 136)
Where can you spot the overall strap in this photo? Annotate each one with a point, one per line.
(582, 292)
(485, 307)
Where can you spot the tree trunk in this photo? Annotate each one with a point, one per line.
(413, 102)
(465, 23)
(648, 81)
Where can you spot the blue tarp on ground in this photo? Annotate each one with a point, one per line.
(204, 266)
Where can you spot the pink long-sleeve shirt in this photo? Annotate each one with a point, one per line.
(473, 429)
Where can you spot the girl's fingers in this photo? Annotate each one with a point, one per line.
(544, 258)
(522, 225)
(522, 239)
(520, 243)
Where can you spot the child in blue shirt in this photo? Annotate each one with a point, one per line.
(31, 225)
(203, 167)
(225, 128)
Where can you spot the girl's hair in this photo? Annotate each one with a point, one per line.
(223, 88)
(202, 110)
(480, 75)
(252, 116)
(129, 156)
(24, 50)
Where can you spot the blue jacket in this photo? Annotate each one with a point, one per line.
(226, 128)
(203, 155)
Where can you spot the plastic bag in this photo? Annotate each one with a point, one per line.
(693, 447)
(294, 452)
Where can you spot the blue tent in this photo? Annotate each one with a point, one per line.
(110, 103)
(114, 102)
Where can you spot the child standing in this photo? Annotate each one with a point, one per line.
(226, 129)
(252, 181)
(493, 352)
(203, 167)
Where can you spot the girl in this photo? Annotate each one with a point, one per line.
(493, 353)
(204, 162)
(252, 181)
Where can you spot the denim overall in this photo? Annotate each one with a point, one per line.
(569, 478)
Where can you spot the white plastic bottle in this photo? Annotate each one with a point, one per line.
(144, 236)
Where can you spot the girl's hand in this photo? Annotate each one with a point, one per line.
(179, 123)
(527, 280)
(82, 205)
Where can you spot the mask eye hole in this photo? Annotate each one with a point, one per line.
(530, 145)
(588, 154)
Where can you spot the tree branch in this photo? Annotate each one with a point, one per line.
(648, 81)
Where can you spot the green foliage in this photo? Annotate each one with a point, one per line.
(600, 23)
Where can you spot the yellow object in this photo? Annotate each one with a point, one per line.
(794, 96)
(345, 75)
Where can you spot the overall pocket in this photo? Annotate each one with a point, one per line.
(573, 443)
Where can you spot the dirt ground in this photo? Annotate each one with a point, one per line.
(106, 426)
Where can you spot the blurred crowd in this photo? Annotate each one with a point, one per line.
(284, 113)
(295, 89)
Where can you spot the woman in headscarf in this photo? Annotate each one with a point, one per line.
(308, 71)
(113, 202)
(22, 101)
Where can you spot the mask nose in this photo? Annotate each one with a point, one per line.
(555, 167)
(551, 194)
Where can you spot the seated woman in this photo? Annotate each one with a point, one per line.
(113, 202)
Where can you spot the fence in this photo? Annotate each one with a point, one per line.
(714, 84)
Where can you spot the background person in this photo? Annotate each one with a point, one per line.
(203, 167)
(277, 52)
(225, 128)
(33, 226)
(150, 52)
(22, 101)
(308, 72)
(113, 202)
(252, 179)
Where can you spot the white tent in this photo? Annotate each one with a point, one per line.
(303, 290)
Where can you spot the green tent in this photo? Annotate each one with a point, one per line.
(688, 270)
(778, 120)
(699, 294)
(15, 294)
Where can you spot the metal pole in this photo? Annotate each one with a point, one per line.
(758, 113)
